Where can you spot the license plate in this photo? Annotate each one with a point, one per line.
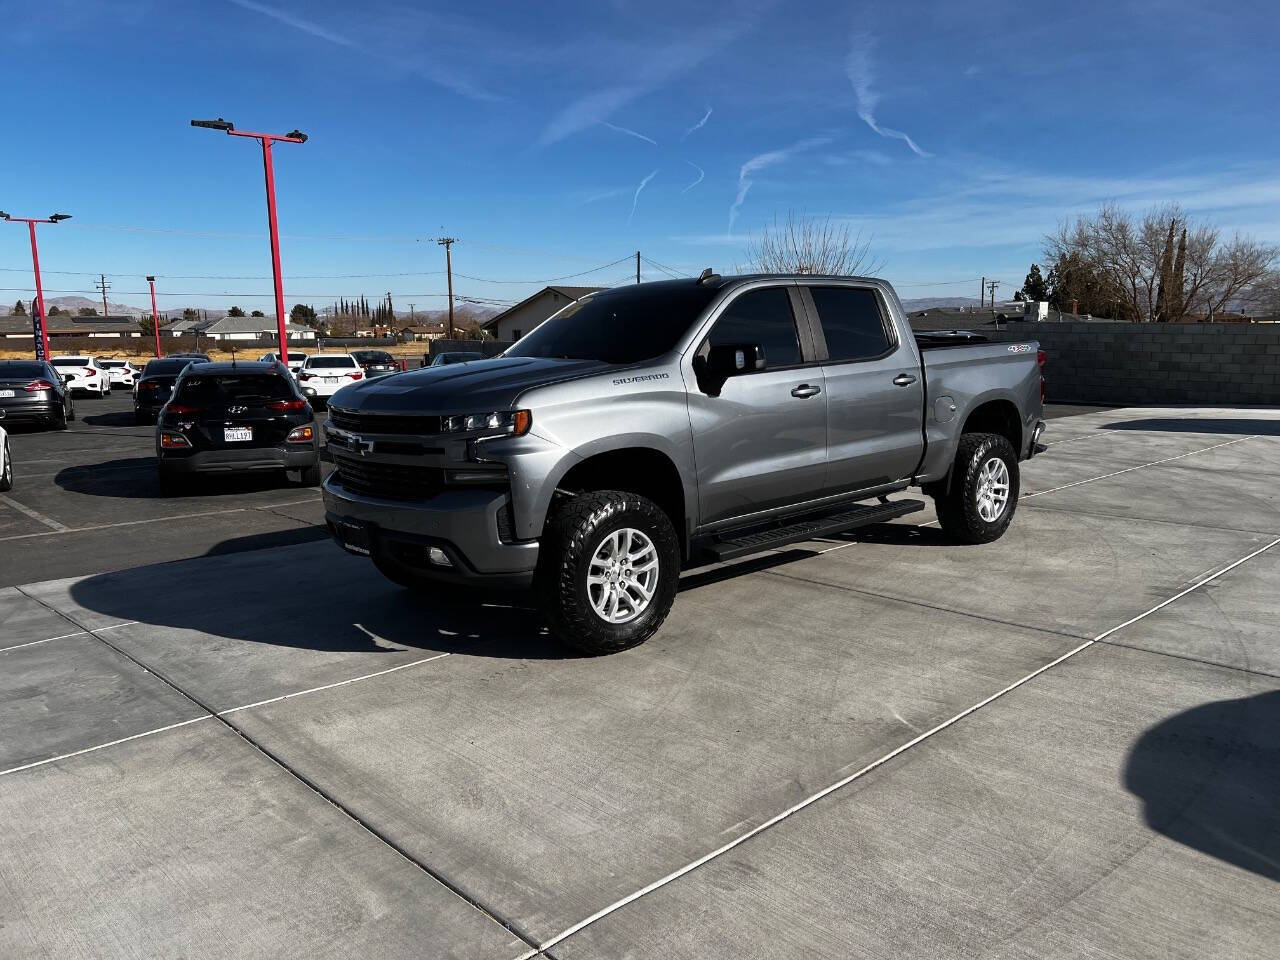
(232, 434)
(353, 535)
(331, 380)
(6, 393)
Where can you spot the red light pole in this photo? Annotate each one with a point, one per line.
(155, 317)
(266, 139)
(39, 331)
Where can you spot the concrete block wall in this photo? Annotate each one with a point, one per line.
(1220, 364)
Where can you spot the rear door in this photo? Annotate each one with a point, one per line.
(761, 443)
(875, 394)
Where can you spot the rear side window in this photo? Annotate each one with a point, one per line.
(22, 371)
(71, 362)
(851, 322)
(762, 317)
(331, 363)
(233, 388)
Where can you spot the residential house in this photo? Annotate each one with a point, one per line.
(254, 329)
(420, 331)
(514, 322)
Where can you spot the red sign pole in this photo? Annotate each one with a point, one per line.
(38, 307)
(155, 316)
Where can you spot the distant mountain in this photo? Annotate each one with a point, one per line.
(72, 305)
(928, 303)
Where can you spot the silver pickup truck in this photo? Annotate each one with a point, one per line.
(646, 429)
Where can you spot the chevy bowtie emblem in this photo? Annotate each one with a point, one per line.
(360, 445)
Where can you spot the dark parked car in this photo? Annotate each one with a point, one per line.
(32, 391)
(455, 356)
(375, 363)
(153, 388)
(236, 418)
(198, 357)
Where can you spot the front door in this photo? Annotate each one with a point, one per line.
(875, 393)
(761, 442)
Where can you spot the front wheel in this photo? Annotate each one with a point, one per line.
(608, 570)
(983, 494)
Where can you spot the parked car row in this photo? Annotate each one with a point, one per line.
(33, 391)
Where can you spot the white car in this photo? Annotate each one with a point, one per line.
(324, 374)
(121, 373)
(6, 462)
(296, 360)
(83, 373)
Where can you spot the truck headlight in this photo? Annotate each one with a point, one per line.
(513, 423)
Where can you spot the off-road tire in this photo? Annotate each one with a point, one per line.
(957, 504)
(573, 532)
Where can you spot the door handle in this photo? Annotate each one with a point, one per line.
(904, 379)
(804, 391)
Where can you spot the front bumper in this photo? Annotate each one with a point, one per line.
(244, 460)
(461, 522)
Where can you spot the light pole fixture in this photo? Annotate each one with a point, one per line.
(266, 139)
(39, 334)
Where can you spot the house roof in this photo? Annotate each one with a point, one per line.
(573, 293)
(250, 325)
(62, 325)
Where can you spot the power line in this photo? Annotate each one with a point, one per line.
(568, 276)
(246, 296)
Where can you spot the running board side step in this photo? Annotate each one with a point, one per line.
(761, 539)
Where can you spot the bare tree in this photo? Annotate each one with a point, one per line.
(812, 246)
(1159, 268)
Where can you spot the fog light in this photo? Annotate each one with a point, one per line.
(439, 557)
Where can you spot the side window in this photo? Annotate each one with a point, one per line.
(851, 322)
(763, 317)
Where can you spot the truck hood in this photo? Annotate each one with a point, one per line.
(474, 387)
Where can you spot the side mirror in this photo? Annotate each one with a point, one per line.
(735, 359)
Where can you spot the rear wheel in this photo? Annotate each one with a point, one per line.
(608, 570)
(6, 475)
(979, 504)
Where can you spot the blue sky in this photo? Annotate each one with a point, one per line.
(556, 137)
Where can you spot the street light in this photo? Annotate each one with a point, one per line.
(155, 316)
(39, 334)
(266, 139)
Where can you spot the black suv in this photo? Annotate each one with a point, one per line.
(33, 391)
(154, 387)
(375, 363)
(236, 418)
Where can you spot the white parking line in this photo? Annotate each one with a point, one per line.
(123, 523)
(64, 636)
(33, 514)
(220, 713)
(1105, 476)
(897, 751)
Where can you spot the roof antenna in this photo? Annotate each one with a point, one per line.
(708, 275)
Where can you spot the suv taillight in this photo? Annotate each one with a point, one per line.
(1041, 359)
(36, 385)
(286, 404)
(181, 408)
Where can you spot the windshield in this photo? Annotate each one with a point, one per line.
(331, 363)
(619, 326)
(206, 389)
(163, 367)
(111, 363)
(70, 361)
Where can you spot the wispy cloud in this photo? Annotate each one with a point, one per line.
(657, 64)
(699, 125)
(605, 195)
(702, 175)
(746, 175)
(629, 132)
(861, 73)
(636, 199)
(298, 23)
(435, 73)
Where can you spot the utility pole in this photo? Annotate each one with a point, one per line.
(982, 293)
(155, 317)
(637, 266)
(104, 286)
(991, 285)
(448, 242)
(411, 313)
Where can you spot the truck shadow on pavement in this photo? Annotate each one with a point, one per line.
(1209, 778)
(1244, 426)
(135, 478)
(309, 595)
